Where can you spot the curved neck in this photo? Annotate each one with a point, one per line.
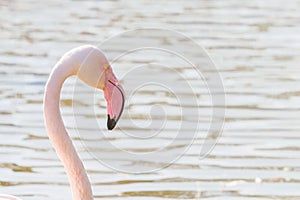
(61, 141)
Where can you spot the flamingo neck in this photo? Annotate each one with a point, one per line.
(61, 141)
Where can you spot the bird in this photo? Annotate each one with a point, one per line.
(91, 66)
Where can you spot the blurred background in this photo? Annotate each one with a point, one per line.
(255, 46)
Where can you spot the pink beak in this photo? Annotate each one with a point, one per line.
(115, 103)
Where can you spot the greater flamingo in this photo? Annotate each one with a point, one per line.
(90, 65)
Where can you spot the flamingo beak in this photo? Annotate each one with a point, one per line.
(115, 105)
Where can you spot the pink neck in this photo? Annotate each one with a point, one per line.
(81, 187)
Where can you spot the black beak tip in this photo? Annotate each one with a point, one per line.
(111, 123)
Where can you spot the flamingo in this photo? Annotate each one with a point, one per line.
(90, 65)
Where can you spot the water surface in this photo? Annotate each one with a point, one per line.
(256, 47)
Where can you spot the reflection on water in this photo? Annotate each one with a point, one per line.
(255, 45)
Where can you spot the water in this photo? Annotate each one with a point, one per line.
(255, 45)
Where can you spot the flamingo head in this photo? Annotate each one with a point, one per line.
(115, 98)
